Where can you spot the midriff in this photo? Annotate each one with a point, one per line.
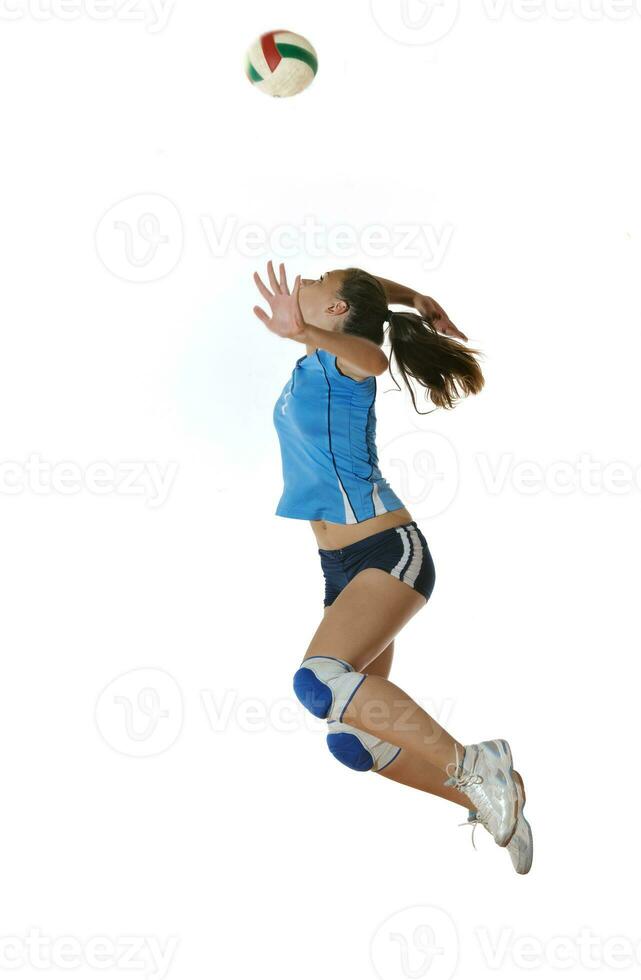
(330, 536)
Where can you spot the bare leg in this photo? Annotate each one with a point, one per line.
(409, 769)
(357, 628)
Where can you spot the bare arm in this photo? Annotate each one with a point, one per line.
(395, 293)
(427, 307)
(363, 355)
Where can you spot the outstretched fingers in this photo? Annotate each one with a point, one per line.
(446, 325)
(455, 332)
(283, 279)
(262, 288)
(279, 288)
(264, 317)
(273, 281)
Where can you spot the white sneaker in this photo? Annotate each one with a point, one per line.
(485, 776)
(521, 844)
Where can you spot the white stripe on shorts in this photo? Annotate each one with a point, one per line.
(416, 563)
(411, 572)
(396, 571)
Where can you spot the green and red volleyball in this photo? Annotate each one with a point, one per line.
(281, 63)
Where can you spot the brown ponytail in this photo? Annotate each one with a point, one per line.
(447, 369)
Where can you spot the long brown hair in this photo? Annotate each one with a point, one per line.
(445, 368)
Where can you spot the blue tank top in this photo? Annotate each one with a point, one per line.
(326, 427)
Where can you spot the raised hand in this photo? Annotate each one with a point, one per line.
(286, 318)
(434, 313)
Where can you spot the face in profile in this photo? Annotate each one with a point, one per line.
(320, 302)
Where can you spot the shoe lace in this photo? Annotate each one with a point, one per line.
(461, 779)
(473, 823)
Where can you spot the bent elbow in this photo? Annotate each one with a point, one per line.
(381, 365)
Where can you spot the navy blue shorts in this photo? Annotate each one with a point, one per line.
(402, 551)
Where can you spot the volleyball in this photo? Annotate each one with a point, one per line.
(281, 63)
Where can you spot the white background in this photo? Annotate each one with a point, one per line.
(190, 803)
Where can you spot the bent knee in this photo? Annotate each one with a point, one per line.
(359, 750)
(326, 685)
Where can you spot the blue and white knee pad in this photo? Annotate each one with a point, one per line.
(325, 686)
(359, 750)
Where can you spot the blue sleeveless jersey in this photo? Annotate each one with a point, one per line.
(326, 427)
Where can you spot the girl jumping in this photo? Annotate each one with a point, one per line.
(376, 562)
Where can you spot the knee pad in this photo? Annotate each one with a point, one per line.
(358, 750)
(326, 685)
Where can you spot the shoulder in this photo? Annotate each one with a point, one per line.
(350, 370)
